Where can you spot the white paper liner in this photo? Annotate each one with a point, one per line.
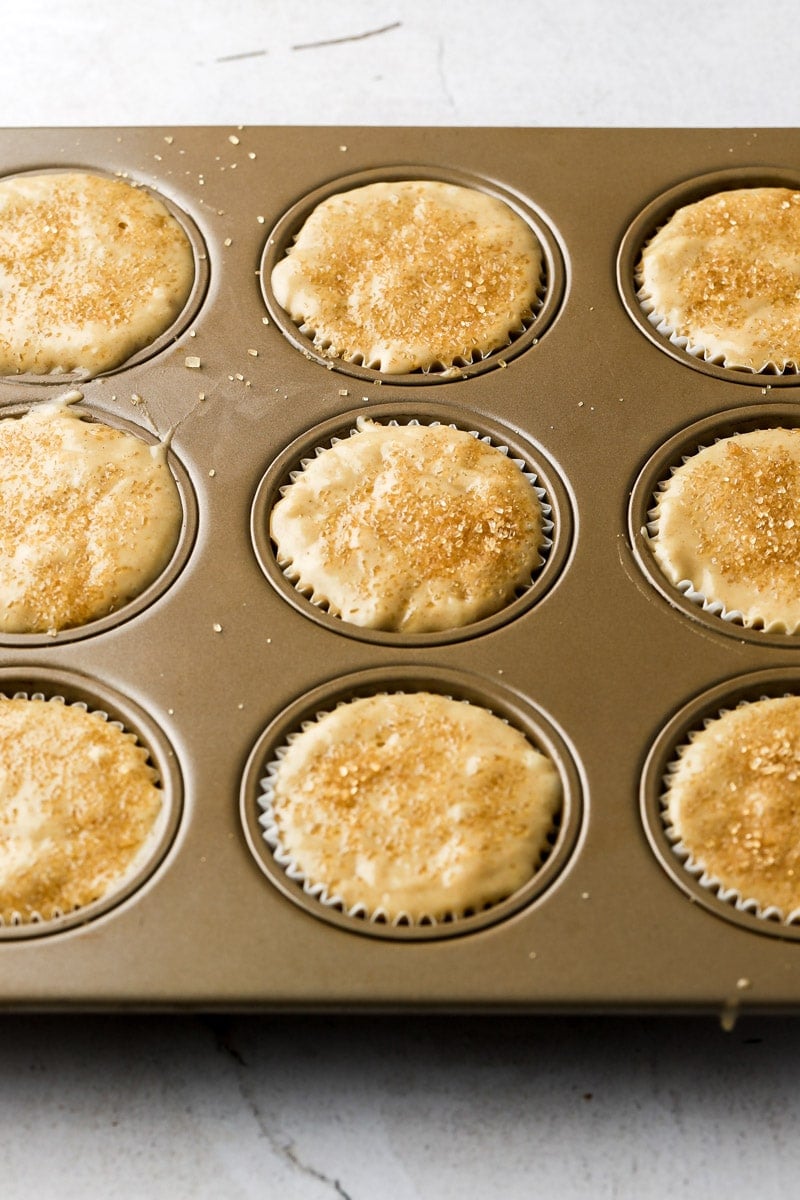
(322, 602)
(319, 891)
(715, 608)
(142, 854)
(695, 348)
(438, 369)
(705, 879)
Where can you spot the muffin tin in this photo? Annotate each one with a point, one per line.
(600, 662)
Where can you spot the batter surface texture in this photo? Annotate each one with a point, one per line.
(411, 275)
(89, 517)
(733, 801)
(728, 521)
(414, 804)
(724, 273)
(413, 528)
(78, 803)
(91, 270)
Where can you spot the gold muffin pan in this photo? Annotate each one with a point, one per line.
(599, 662)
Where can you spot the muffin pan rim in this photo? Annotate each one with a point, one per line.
(283, 232)
(537, 461)
(645, 225)
(657, 468)
(518, 711)
(766, 683)
(73, 687)
(169, 336)
(173, 568)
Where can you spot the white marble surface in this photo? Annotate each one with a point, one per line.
(314, 1108)
(511, 62)
(304, 1108)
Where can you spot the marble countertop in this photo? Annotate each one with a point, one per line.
(436, 1108)
(397, 62)
(398, 1107)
